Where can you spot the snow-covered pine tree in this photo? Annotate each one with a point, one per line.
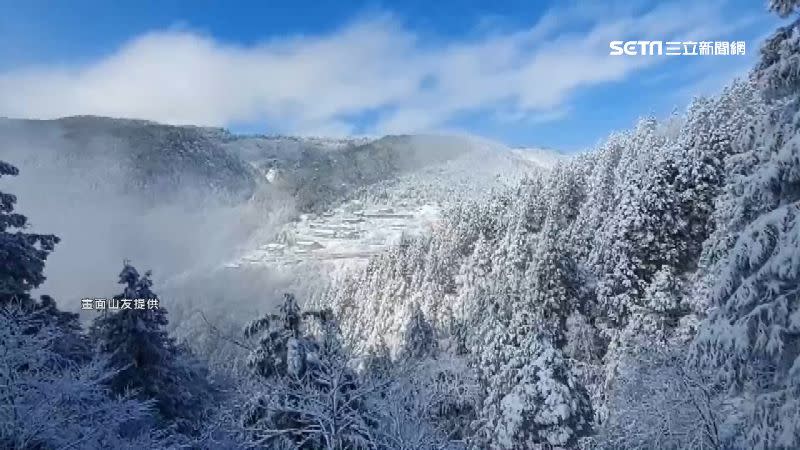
(751, 335)
(553, 281)
(530, 202)
(274, 331)
(511, 258)
(784, 8)
(472, 285)
(664, 208)
(637, 237)
(147, 359)
(324, 408)
(601, 196)
(48, 401)
(419, 337)
(283, 339)
(507, 287)
(566, 192)
(532, 398)
(776, 72)
(307, 395)
(23, 254)
(534, 401)
(660, 402)
(661, 309)
(716, 142)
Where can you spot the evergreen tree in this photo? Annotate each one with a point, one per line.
(776, 72)
(473, 285)
(751, 334)
(22, 254)
(646, 235)
(601, 196)
(521, 363)
(283, 339)
(717, 148)
(784, 8)
(419, 337)
(22, 261)
(662, 308)
(534, 400)
(750, 337)
(148, 360)
(307, 395)
(553, 282)
(47, 401)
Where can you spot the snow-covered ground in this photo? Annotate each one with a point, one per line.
(350, 232)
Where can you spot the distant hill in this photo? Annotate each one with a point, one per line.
(158, 162)
(183, 198)
(320, 172)
(146, 158)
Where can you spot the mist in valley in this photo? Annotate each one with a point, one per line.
(100, 185)
(183, 236)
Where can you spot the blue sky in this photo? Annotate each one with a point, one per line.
(526, 73)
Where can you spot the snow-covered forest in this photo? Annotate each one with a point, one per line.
(642, 295)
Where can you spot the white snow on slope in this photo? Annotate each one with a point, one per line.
(347, 233)
(376, 217)
(543, 157)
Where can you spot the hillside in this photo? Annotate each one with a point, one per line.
(158, 163)
(319, 173)
(191, 198)
(642, 295)
(372, 213)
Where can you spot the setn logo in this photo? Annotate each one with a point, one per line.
(634, 48)
(677, 48)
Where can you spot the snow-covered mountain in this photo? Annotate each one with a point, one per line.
(254, 201)
(373, 216)
(155, 161)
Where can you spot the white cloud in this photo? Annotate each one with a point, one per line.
(314, 84)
